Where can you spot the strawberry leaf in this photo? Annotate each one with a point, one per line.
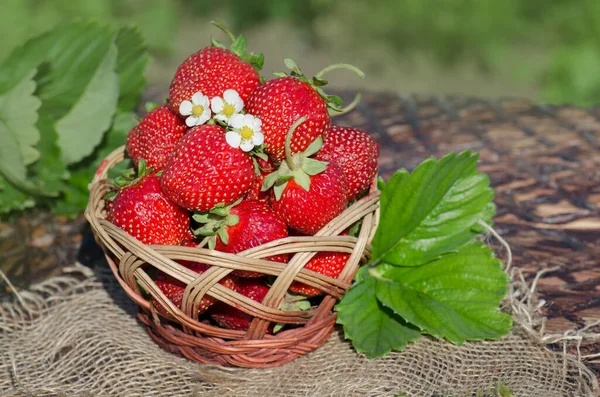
(432, 211)
(374, 329)
(76, 193)
(94, 109)
(18, 132)
(454, 297)
(132, 61)
(239, 45)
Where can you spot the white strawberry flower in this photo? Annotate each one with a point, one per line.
(223, 108)
(197, 110)
(246, 132)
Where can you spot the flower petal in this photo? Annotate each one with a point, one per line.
(231, 96)
(217, 104)
(239, 105)
(198, 98)
(256, 124)
(258, 138)
(237, 121)
(233, 139)
(221, 117)
(185, 108)
(249, 120)
(191, 121)
(247, 145)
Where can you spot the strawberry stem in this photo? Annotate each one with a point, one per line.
(340, 66)
(288, 143)
(223, 28)
(350, 107)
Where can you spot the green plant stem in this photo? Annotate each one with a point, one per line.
(340, 66)
(348, 108)
(288, 143)
(223, 28)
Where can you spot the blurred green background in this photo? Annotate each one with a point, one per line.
(548, 50)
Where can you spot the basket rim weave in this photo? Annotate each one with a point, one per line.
(128, 259)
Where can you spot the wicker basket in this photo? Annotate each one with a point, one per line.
(184, 334)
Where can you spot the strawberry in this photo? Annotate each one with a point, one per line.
(355, 152)
(307, 211)
(229, 317)
(215, 69)
(265, 167)
(143, 211)
(281, 101)
(307, 193)
(155, 137)
(240, 227)
(329, 264)
(204, 170)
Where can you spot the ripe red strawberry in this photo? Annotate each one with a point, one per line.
(329, 264)
(155, 137)
(258, 224)
(143, 211)
(266, 167)
(308, 211)
(229, 317)
(355, 152)
(213, 70)
(205, 171)
(282, 101)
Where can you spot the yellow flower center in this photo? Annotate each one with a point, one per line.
(197, 110)
(228, 110)
(246, 132)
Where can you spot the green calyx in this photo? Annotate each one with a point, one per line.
(239, 47)
(129, 177)
(292, 303)
(214, 223)
(334, 103)
(299, 167)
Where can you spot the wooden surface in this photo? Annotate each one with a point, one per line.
(543, 161)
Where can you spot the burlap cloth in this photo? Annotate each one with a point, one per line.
(77, 335)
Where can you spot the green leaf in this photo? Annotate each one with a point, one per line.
(432, 211)
(132, 61)
(454, 297)
(239, 45)
(269, 181)
(223, 235)
(302, 179)
(218, 44)
(74, 53)
(374, 329)
(93, 112)
(278, 190)
(313, 167)
(49, 172)
(76, 193)
(13, 199)
(313, 147)
(18, 133)
(291, 65)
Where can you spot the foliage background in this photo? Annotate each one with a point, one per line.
(547, 50)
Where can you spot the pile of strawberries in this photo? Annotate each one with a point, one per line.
(232, 161)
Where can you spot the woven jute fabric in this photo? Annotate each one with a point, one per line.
(77, 335)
